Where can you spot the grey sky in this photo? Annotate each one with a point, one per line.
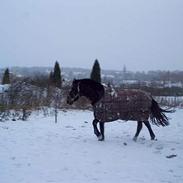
(142, 34)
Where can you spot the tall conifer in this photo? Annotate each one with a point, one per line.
(57, 79)
(6, 77)
(96, 72)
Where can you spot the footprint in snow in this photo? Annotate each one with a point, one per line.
(98, 162)
(65, 169)
(142, 140)
(5, 127)
(159, 147)
(171, 171)
(13, 158)
(78, 137)
(18, 165)
(95, 179)
(172, 149)
(68, 126)
(157, 152)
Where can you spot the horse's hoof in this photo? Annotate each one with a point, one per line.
(134, 139)
(100, 138)
(154, 138)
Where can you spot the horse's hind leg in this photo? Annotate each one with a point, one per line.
(139, 128)
(150, 130)
(96, 131)
(101, 137)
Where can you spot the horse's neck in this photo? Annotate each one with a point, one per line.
(92, 95)
(91, 91)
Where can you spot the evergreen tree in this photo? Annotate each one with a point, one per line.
(96, 72)
(57, 80)
(6, 77)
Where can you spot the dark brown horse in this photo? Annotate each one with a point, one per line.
(110, 105)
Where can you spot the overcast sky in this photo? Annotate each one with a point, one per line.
(141, 34)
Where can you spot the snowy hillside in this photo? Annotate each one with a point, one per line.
(40, 151)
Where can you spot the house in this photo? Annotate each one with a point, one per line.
(4, 88)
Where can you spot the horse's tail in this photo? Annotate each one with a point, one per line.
(157, 115)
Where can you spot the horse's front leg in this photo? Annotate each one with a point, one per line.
(96, 131)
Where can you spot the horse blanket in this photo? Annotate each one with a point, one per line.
(126, 104)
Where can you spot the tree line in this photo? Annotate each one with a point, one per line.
(44, 92)
(38, 93)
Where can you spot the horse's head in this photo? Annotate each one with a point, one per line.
(74, 93)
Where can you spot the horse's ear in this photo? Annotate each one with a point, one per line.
(74, 81)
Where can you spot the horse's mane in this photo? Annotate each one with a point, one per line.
(91, 89)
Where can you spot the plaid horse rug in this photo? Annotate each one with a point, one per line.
(127, 104)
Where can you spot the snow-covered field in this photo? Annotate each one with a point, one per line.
(40, 151)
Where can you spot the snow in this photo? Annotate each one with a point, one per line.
(40, 151)
(4, 88)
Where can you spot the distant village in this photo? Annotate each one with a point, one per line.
(26, 89)
(117, 78)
